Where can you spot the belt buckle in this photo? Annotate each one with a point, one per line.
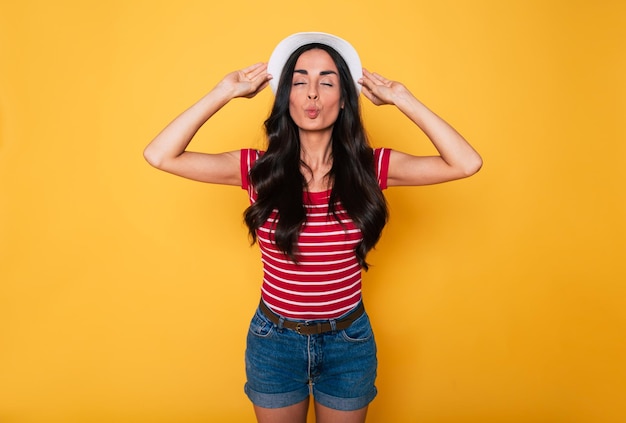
(299, 327)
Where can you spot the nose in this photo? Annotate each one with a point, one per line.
(312, 94)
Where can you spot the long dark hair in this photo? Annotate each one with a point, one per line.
(279, 183)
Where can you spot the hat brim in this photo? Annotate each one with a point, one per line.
(286, 47)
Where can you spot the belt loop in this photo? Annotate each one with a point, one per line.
(281, 320)
(333, 325)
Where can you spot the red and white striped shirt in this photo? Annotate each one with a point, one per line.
(326, 281)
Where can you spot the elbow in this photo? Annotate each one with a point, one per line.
(152, 158)
(478, 164)
(472, 166)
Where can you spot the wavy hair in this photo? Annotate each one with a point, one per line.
(278, 180)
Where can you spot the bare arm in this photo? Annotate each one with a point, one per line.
(457, 159)
(168, 150)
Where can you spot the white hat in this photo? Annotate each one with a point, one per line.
(286, 47)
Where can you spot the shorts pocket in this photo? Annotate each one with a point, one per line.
(359, 331)
(260, 326)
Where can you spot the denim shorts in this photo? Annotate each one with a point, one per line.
(283, 367)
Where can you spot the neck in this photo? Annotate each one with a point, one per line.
(315, 150)
(316, 155)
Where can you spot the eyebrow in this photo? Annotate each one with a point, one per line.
(305, 72)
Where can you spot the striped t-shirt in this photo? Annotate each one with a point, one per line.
(326, 281)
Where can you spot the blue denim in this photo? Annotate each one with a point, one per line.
(283, 367)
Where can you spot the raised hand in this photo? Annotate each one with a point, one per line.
(380, 90)
(246, 82)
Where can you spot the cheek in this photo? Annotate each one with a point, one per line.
(292, 110)
(338, 104)
(292, 105)
(337, 100)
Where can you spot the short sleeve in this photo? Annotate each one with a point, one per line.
(247, 158)
(381, 161)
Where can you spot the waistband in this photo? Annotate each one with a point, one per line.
(315, 327)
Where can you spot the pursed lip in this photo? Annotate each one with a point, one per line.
(312, 112)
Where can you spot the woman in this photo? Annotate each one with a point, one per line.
(316, 210)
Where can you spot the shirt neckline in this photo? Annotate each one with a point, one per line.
(317, 195)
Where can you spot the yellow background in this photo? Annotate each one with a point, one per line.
(126, 292)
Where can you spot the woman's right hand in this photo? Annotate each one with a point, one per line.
(246, 82)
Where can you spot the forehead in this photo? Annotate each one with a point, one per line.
(316, 59)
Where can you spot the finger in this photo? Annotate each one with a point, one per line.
(261, 79)
(368, 94)
(258, 89)
(260, 82)
(371, 75)
(366, 82)
(378, 78)
(263, 86)
(257, 71)
(252, 72)
(367, 75)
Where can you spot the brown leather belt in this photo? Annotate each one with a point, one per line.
(313, 328)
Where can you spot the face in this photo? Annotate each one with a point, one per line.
(315, 98)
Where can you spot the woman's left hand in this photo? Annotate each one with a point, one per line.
(381, 90)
